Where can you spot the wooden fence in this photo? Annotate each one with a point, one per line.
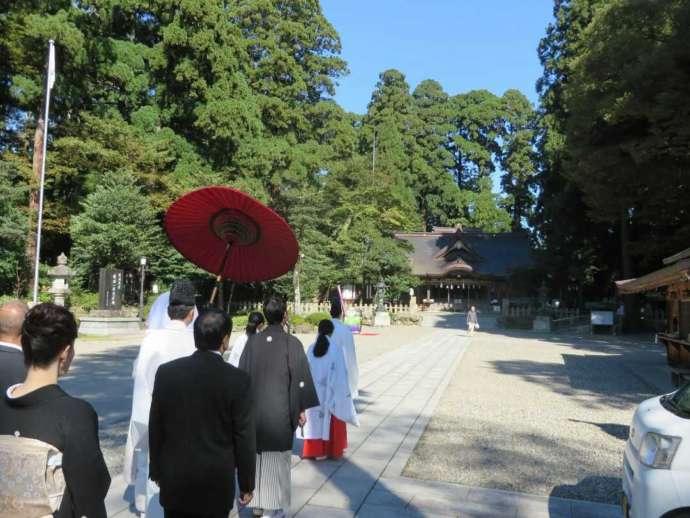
(556, 313)
(308, 308)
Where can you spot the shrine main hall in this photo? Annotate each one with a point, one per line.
(457, 268)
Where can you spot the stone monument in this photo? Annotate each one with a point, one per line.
(60, 275)
(110, 318)
(381, 318)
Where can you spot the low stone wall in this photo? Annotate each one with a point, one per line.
(109, 326)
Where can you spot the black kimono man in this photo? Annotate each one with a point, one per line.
(282, 389)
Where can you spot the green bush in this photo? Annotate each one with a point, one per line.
(149, 299)
(406, 319)
(239, 322)
(83, 301)
(297, 320)
(315, 318)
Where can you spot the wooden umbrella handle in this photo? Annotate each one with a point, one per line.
(219, 278)
(215, 290)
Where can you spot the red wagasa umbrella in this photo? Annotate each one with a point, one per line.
(231, 235)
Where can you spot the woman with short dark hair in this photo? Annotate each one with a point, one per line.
(50, 456)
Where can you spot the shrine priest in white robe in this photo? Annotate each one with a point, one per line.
(159, 346)
(325, 432)
(342, 335)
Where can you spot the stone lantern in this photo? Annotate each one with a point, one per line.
(59, 276)
(381, 318)
(413, 301)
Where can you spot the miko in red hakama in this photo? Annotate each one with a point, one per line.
(325, 431)
(332, 448)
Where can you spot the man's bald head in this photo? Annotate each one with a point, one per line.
(11, 319)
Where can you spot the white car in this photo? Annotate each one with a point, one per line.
(656, 463)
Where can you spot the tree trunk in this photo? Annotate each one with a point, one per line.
(34, 186)
(630, 302)
(517, 218)
(296, 286)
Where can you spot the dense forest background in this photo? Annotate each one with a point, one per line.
(156, 98)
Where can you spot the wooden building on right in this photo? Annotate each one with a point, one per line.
(674, 281)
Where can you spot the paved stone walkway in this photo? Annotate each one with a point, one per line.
(399, 391)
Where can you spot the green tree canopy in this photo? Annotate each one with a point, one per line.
(155, 99)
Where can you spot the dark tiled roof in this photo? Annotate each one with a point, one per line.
(684, 254)
(677, 270)
(473, 254)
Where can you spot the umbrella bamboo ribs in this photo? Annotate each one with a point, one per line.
(222, 222)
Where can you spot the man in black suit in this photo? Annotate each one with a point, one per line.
(201, 427)
(12, 369)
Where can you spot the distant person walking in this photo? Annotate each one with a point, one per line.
(201, 427)
(50, 457)
(472, 322)
(12, 369)
(325, 432)
(255, 323)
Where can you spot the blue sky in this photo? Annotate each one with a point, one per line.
(462, 44)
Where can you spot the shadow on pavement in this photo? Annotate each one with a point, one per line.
(585, 486)
(105, 381)
(595, 380)
(494, 455)
(619, 431)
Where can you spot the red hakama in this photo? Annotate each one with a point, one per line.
(332, 448)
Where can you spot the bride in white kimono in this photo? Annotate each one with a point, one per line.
(159, 346)
(325, 432)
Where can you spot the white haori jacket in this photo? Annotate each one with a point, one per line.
(237, 349)
(330, 379)
(342, 335)
(158, 346)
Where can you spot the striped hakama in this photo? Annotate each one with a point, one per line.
(272, 489)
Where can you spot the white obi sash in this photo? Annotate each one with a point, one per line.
(31, 478)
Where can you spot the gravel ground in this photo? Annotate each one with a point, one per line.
(102, 370)
(539, 415)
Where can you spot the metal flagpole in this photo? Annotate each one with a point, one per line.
(50, 80)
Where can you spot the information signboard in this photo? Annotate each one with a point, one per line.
(601, 318)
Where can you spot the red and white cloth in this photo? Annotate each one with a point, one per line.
(336, 404)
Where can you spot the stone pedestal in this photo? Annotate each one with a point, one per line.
(382, 319)
(541, 324)
(59, 291)
(109, 323)
(60, 276)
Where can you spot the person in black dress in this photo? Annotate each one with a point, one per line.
(40, 410)
(201, 427)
